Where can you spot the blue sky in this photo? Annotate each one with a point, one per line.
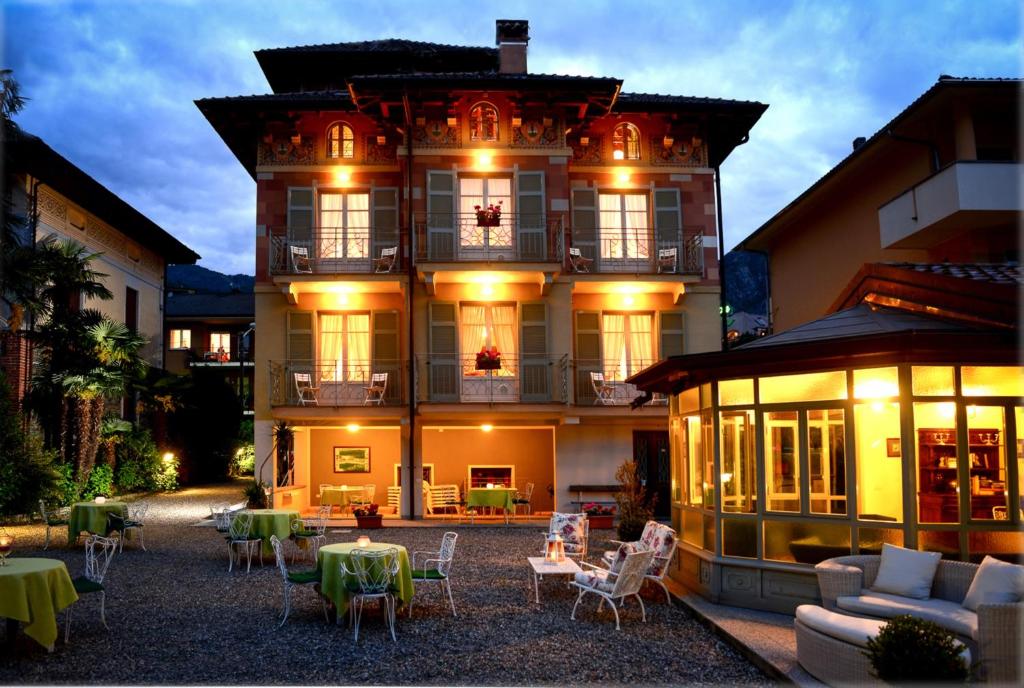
(112, 83)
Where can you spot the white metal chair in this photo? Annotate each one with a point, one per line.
(99, 551)
(524, 500)
(387, 261)
(574, 529)
(578, 262)
(658, 538)
(614, 586)
(436, 568)
(668, 260)
(312, 532)
(375, 573)
(308, 394)
(239, 541)
(54, 518)
(300, 259)
(134, 521)
(375, 392)
(604, 393)
(294, 578)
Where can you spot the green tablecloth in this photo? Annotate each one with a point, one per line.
(91, 517)
(335, 586)
(267, 522)
(491, 496)
(33, 591)
(341, 496)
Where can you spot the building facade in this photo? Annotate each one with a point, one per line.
(497, 250)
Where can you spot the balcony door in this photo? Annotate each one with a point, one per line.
(627, 341)
(344, 364)
(623, 230)
(484, 192)
(344, 229)
(484, 326)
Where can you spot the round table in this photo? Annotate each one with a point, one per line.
(335, 586)
(33, 591)
(341, 496)
(491, 496)
(92, 517)
(267, 522)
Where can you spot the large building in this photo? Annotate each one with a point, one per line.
(503, 338)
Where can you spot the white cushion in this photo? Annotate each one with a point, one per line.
(996, 582)
(906, 572)
(850, 629)
(949, 615)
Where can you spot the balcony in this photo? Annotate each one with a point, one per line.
(458, 238)
(220, 358)
(602, 382)
(455, 379)
(637, 251)
(330, 251)
(335, 383)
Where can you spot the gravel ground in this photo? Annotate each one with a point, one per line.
(177, 616)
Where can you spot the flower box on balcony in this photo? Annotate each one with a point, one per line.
(488, 364)
(489, 216)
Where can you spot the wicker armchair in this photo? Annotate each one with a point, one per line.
(998, 640)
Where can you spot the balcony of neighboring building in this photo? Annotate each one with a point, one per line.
(966, 195)
(221, 357)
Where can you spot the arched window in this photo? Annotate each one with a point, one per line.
(341, 142)
(626, 142)
(483, 122)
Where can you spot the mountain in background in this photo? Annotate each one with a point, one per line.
(746, 282)
(200, 280)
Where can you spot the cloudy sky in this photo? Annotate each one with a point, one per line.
(112, 83)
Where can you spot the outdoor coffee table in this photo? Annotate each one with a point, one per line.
(541, 567)
(33, 591)
(92, 518)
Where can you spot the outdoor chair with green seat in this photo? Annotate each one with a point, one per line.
(296, 578)
(436, 567)
(99, 551)
(310, 534)
(53, 518)
(523, 499)
(239, 541)
(375, 573)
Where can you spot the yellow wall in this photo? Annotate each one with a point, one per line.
(879, 476)
(385, 451)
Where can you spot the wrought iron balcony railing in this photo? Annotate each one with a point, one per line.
(337, 382)
(603, 382)
(323, 250)
(638, 251)
(460, 237)
(525, 379)
(219, 356)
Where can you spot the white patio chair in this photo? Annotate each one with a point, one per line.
(604, 393)
(574, 530)
(523, 500)
(308, 394)
(295, 578)
(375, 392)
(222, 519)
(436, 567)
(300, 259)
(53, 518)
(578, 262)
(239, 541)
(375, 573)
(668, 260)
(134, 521)
(614, 586)
(387, 261)
(99, 551)
(658, 538)
(312, 532)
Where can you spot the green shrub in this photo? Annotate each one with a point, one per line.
(66, 489)
(167, 477)
(634, 506)
(244, 462)
(99, 482)
(911, 650)
(26, 471)
(138, 461)
(255, 495)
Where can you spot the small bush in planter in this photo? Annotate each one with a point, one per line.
(365, 511)
(255, 495)
(634, 507)
(911, 650)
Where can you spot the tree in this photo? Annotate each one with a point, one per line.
(26, 471)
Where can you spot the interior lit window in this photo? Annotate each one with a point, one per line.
(678, 431)
(992, 381)
(181, 339)
(694, 471)
(875, 383)
(739, 463)
(736, 392)
(826, 460)
(340, 141)
(628, 344)
(344, 347)
(781, 462)
(485, 326)
(779, 389)
(623, 231)
(937, 462)
(485, 192)
(483, 122)
(1018, 413)
(626, 142)
(344, 230)
(933, 381)
(879, 461)
(707, 431)
(220, 342)
(986, 450)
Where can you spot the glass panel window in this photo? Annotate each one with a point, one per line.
(626, 142)
(879, 461)
(986, 450)
(677, 445)
(739, 463)
(872, 539)
(1018, 413)
(345, 347)
(736, 392)
(933, 381)
(181, 339)
(875, 383)
(689, 400)
(344, 225)
(220, 343)
(739, 538)
(707, 431)
(826, 459)
(937, 483)
(487, 326)
(804, 387)
(1000, 544)
(693, 528)
(781, 464)
(805, 543)
(992, 381)
(340, 141)
(483, 122)
(479, 193)
(628, 343)
(694, 470)
(945, 541)
(623, 229)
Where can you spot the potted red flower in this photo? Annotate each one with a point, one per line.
(367, 517)
(488, 359)
(599, 516)
(489, 216)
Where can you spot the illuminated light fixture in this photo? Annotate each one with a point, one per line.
(628, 300)
(484, 159)
(296, 139)
(352, 427)
(584, 140)
(342, 299)
(623, 177)
(168, 457)
(875, 389)
(342, 176)
(362, 541)
(486, 427)
(517, 121)
(487, 290)
(381, 139)
(726, 477)
(668, 141)
(452, 121)
(619, 155)
(547, 121)
(947, 409)
(421, 121)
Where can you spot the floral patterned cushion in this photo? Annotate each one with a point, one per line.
(595, 578)
(617, 558)
(570, 527)
(656, 536)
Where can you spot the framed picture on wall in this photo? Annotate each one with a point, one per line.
(893, 448)
(351, 459)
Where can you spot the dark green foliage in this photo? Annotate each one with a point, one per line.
(911, 650)
(206, 427)
(137, 460)
(66, 489)
(26, 471)
(99, 482)
(634, 506)
(255, 495)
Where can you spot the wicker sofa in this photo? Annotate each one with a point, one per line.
(993, 634)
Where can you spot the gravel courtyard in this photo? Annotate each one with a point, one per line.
(177, 616)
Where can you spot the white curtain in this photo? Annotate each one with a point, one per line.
(611, 225)
(471, 194)
(357, 355)
(641, 342)
(623, 228)
(357, 225)
(635, 225)
(344, 225)
(332, 341)
(613, 340)
(503, 327)
(477, 191)
(331, 223)
(474, 336)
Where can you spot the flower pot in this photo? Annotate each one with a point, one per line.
(601, 521)
(488, 364)
(370, 522)
(488, 221)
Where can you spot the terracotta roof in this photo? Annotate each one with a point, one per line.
(658, 98)
(377, 46)
(241, 305)
(994, 273)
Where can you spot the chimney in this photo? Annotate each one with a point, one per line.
(858, 142)
(511, 37)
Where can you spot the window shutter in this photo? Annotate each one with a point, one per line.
(588, 354)
(532, 221)
(300, 217)
(440, 215)
(584, 222)
(387, 351)
(299, 351)
(535, 375)
(668, 220)
(385, 221)
(443, 362)
(672, 340)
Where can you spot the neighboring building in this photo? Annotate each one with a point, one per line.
(370, 161)
(133, 250)
(887, 409)
(939, 183)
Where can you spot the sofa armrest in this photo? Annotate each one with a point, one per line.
(999, 642)
(836, 580)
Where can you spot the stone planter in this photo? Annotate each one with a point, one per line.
(601, 521)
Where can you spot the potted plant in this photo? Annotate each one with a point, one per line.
(598, 515)
(488, 359)
(634, 507)
(255, 494)
(489, 216)
(911, 650)
(368, 518)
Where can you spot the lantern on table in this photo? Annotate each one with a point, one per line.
(6, 545)
(101, 500)
(554, 549)
(362, 541)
